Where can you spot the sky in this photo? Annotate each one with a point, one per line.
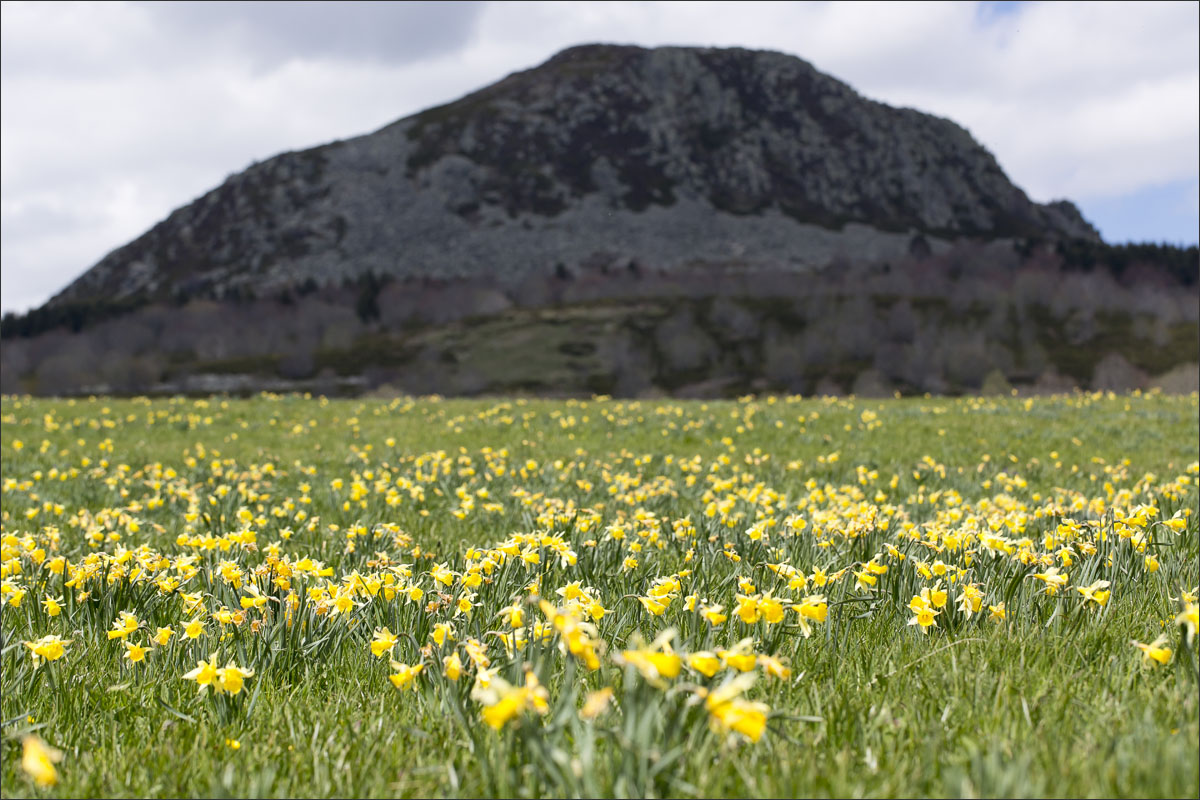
(114, 114)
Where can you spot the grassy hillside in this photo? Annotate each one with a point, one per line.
(708, 347)
(979, 317)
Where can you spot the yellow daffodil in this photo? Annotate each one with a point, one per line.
(254, 598)
(740, 657)
(1096, 593)
(813, 608)
(503, 702)
(232, 677)
(513, 615)
(343, 603)
(442, 574)
(924, 613)
(125, 624)
(1154, 653)
(452, 667)
(1053, 579)
(774, 667)
(770, 608)
(713, 614)
(441, 631)
(728, 711)
(747, 608)
(1190, 619)
(705, 662)
(403, 676)
(970, 600)
(596, 703)
(654, 605)
(576, 637)
(53, 605)
(205, 675)
(135, 653)
(383, 642)
(38, 760)
(654, 661)
(51, 648)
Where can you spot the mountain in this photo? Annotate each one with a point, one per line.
(667, 157)
(692, 221)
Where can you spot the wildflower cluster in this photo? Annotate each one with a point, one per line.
(681, 590)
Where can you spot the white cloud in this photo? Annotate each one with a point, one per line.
(114, 114)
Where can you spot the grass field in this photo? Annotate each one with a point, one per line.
(287, 596)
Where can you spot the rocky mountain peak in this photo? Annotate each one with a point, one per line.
(668, 157)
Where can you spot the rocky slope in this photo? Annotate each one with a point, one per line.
(603, 158)
(682, 221)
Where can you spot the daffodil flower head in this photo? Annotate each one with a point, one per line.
(741, 656)
(136, 653)
(194, 629)
(38, 760)
(51, 648)
(730, 713)
(655, 661)
(232, 677)
(747, 608)
(705, 662)
(655, 605)
(1053, 579)
(577, 637)
(441, 631)
(504, 702)
(1096, 593)
(404, 676)
(125, 624)
(477, 652)
(1154, 653)
(452, 666)
(205, 675)
(383, 642)
(53, 605)
(1189, 618)
(813, 608)
(597, 703)
(773, 666)
(713, 614)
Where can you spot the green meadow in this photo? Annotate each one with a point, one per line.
(771, 596)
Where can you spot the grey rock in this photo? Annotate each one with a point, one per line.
(871, 383)
(1115, 373)
(1183, 379)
